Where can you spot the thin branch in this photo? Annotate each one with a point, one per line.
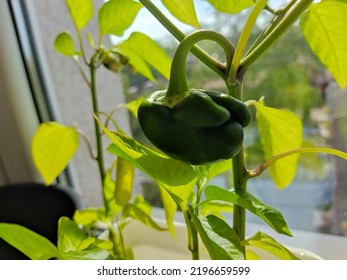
(89, 145)
(266, 164)
(84, 75)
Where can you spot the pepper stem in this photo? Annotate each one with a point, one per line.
(178, 83)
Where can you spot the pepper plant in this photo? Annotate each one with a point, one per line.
(198, 133)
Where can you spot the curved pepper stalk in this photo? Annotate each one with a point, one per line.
(194, 125)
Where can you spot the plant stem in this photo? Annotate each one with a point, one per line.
(286, 21)
(213, 64)
(274, 22)
(192, 233)
(239, 182)
(178, 82)
(99, 146)
(267, 163)
(240, 177)
(242, 42)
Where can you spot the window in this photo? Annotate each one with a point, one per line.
(37, 84)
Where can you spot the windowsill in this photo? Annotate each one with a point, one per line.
(328, 247)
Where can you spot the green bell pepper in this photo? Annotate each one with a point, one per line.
(194, 125)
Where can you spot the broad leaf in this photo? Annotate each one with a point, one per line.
(210, 171)
(81, 11)
(73, 243)
(133, 105)
(170, 173)
(265, 242)
(124, 181)
(95, 253)
(70, 235)
(183, 10)
(137, 63)
(218, 168)
(324, 26)
(170, 204)
(109, 192)
(116, 16)
(270, 215)
(216, 207)
(220, 240)
(280, 131)
(231, 6)
(141, 211)
(35, 246)
(64, 44)
(89, 217)
(166, 171)
(176, 177)
(53, 147)
(142, 50)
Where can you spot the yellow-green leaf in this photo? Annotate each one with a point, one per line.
(53, 147)
(324, 26)
(220, 240)
(272, 216)
(142, 50)
(81, 11)
(109, 195)
(137, 62)
(183, 10)
(64, 44)
(30, 243)
(280, 131)
(133, 105)
(265, 242)
(124, 181)
(141, 210)
(89, 217)
(231, 6)
(176, 179)
(117, 15)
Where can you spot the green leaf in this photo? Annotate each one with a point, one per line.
(231, 6)
(170, 203)
(95, 253)
(183, 10)
(35, 246)
(176, 177)
(70, 235)
(216, 207)
(218, 168)
(220, 240)
(263, 241)
(143, 51)
(137, 63)
(53, 147)
(133, 105)
(324, 26)
(117, 15)
(270, 215)
(280, 131)
(163, 170)
(64, 44)
(81, 12)
(73, 243)
(89, 217)
(124, 181)
(141, 211)
(109, 191)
